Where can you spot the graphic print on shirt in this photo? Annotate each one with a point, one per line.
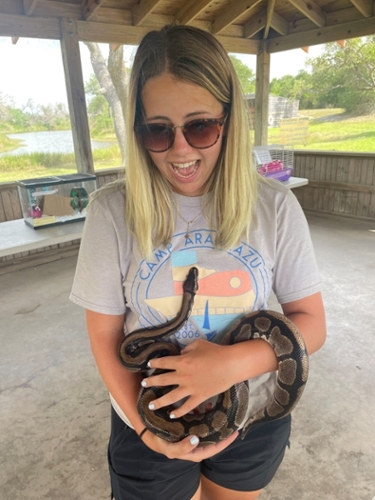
(231, 284)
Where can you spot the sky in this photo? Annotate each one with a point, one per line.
(32, 68)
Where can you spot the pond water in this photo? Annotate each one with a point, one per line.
(56, 141)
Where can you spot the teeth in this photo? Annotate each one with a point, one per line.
(185, 170)
(183, 165)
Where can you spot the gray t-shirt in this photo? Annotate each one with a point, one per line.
(113, 278)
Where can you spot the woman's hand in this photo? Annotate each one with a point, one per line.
(106, 333)
(203, 370)
(187, 449)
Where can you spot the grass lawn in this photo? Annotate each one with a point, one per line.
(33, 165)
(332, 130)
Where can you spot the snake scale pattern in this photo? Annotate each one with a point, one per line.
(230, 411)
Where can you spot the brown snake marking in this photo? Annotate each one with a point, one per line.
(229, 412)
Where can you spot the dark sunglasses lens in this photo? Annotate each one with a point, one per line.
(156, 137)
(202, 134)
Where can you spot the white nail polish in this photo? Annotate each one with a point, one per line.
(194, 440)
(151, 406)
(172, 415)
(144, 383)
(149, 364)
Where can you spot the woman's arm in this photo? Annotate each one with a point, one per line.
(205, 369)
(106, 332)
(309, 317)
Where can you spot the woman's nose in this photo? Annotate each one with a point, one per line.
(180, 144)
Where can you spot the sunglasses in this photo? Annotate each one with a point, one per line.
(200, 134)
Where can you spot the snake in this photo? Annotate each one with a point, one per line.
(229, 412)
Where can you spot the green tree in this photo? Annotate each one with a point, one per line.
(295, 87)
(283, 86)
(98, 108)
(111, 74)
(5, 112)
(345, 77)
(245, 75)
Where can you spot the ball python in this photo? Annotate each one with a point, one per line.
(230, 410)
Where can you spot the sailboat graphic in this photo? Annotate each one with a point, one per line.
(206, 320)
(206, 323)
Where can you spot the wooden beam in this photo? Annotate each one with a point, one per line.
(355, 29)
(90, 7)
(311, 10)
(258, 22)
(30, 27)
(191, 10)
(142, 9)
(270, 11)
(255, 24)
(359, 188)
(364, 7)
(279, 24)
(332, 19)
(35, 27)
(76, 95)
(14, 7)
(233, 12)
(29, 6)
(262, 96)
(119, 33)
(53, 8)
(233, 30)
(131, 35)
(112, 16)
(116, 16)
(239, 45)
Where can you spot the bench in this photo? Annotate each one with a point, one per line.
(16, 237)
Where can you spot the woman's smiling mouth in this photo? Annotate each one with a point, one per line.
(186, 170)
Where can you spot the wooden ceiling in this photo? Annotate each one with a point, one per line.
(241, 25)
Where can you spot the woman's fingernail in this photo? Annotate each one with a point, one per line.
(172, 415)
(194, 440)
(144, 383)
(151, 406)
(149, 364)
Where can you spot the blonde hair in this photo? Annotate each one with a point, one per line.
(192, 55)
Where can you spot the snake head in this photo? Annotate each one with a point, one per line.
(191, 282)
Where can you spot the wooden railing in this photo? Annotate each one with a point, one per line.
(339, 183)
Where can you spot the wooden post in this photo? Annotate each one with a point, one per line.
(76, 96)
(262, 96)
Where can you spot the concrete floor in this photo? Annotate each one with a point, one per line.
(54, 419)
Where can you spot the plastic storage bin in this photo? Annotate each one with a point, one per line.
(50, 201)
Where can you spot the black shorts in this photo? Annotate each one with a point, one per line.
(138, 473)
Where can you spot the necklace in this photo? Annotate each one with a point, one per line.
(188, 222)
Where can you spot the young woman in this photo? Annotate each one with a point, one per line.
(191, 197)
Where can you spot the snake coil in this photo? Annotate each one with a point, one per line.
(230, 410)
